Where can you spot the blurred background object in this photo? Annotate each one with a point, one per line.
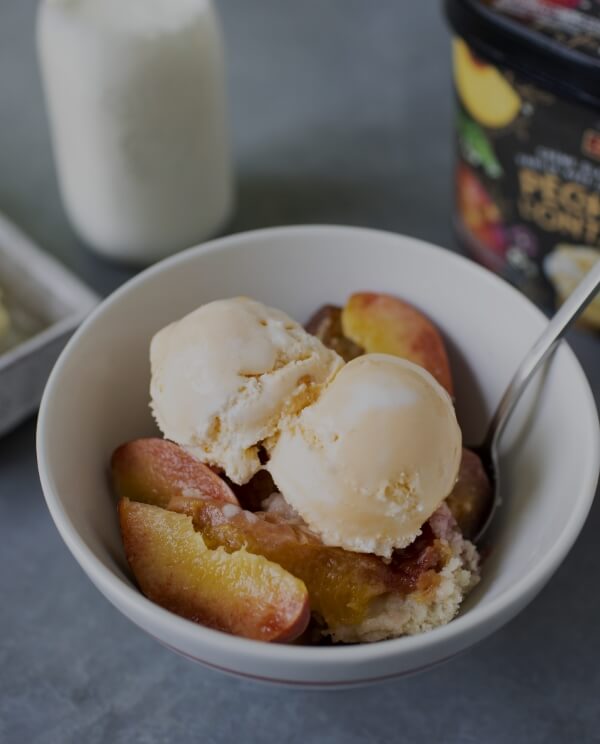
(41, 304)
(136, 102)
(527, 181)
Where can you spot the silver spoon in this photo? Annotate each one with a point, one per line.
(542, 349)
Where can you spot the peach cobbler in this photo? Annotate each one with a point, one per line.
(311, 484)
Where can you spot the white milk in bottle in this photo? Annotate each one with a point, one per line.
(136, 101)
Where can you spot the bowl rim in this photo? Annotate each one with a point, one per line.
(129, 600)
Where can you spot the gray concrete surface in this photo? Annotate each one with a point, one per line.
(341, 113)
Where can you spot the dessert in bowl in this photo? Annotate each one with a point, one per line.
(304, 494)
(97, 398)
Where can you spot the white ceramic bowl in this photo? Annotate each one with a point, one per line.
(97, 397)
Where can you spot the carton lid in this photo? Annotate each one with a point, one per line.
(554, 43)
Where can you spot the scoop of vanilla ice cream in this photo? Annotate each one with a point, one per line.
(369, 462)
(226, 376)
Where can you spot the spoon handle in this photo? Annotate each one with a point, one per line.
(542, 349)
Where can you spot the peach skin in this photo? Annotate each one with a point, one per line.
(153, 470)
(384, 324)
(239, 592)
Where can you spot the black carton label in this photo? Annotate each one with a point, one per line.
(527, 180)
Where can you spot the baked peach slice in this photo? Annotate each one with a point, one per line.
(471, 497)
(381, 323)
(341, 584)
(153, 470)
(326, 325)
(236, 592)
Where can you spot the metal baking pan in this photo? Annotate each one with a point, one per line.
(46, 303)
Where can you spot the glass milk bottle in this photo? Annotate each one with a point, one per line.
(136, 101)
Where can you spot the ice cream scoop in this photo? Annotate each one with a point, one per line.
(226, 377)
(373, 457)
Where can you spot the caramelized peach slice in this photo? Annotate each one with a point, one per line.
(326, 325)
(341, 585)
(153, 470)
(471, 497)
(384, 324)
(236, 592)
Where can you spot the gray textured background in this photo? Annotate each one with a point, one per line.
(342, 112)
